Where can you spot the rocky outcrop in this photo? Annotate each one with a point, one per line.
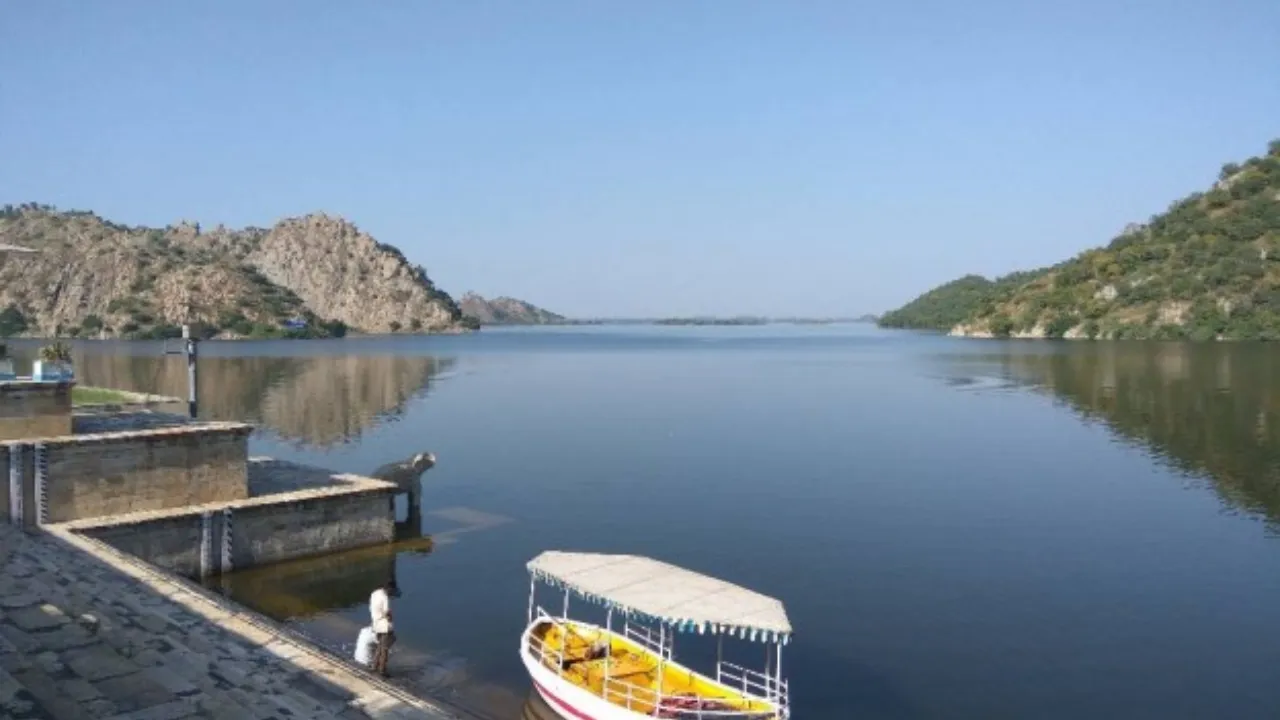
(506, 311)
(91, 277)
(343, 274)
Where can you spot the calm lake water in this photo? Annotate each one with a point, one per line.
(959, 528)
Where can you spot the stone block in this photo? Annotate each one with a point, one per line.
(98, 662)
(36, 617)
(45, 690)
(133, 692)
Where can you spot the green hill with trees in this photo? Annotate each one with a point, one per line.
(945, 306)
(1207, 268)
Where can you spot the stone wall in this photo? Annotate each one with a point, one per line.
(265, 534)
(172, 542)
(254, 532)
(124, 472)
(34, 409)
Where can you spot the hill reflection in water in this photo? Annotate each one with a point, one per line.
(1209, 410)
(311, 400)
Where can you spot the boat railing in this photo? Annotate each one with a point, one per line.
(648, 638)
(647, 701)
(752, 682)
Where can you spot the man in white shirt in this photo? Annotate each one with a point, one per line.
(380, 612)
(365, 644)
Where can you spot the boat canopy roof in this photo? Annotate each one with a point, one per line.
(656, 590)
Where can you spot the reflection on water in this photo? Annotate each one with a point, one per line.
(1210, 410)
(304, 588)
(979, 551)
(535, 708)
(312, 400)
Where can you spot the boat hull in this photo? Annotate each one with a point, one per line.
(572, 701)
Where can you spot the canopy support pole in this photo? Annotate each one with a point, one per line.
(608, 638)
(662, 657)
(532, 589)
(719, 654)
(564, 632)
(777, 668)
(768, 671)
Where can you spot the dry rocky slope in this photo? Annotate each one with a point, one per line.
(506, 311)
(96, 278)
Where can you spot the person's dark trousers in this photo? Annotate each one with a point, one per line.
(383, 651)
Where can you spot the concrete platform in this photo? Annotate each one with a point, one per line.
(88, 632)
(108, 419)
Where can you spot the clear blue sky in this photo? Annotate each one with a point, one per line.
(646, 158)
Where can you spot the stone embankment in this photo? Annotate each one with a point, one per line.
(89, 632)
(89, 629)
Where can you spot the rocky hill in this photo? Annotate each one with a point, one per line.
(1207, 268)
(92, 278)
(506, 311)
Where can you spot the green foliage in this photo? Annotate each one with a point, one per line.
(92, 323)
(202, 330)
(142, 284)
(56, 352)
(946, 305)
(12, 322)
(1000, 325)
(163, 331)
(470, 323)
(335, 328)
(1218, 251)
(395, 326)
(1059, 325)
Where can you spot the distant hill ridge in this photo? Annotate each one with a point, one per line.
(93, 277)
(1207, 268)
(506, 311)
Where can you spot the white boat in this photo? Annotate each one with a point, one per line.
(585, 671)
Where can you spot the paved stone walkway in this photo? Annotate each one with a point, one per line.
(90, 633)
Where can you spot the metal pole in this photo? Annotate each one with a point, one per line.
(778, 669)
(564, 631)
(768, 671)
(191, 371)
(719, 654)
(608, 638)
(662, 673)
(532, 589)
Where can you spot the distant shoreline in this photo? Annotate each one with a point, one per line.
(727, 321)
(567, 322)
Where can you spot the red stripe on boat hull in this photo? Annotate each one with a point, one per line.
(560, 704)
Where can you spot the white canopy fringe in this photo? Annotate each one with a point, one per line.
(683, 598)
